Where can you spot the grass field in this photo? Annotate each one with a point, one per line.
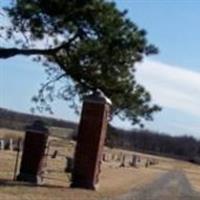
(113, 180)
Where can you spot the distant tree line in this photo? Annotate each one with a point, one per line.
(183, 147)
(18, 121)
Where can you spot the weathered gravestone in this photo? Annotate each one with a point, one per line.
(134, 161)
(107, 157)
(11, 144)
(90, 141)
(33, 153)
(69, 164)
(2, 144)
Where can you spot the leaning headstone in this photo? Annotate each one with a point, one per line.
(33, 153)
(54, 155)
(123, 163)
(69, 164)
(134, 161)
(18, 145)
(148, 162)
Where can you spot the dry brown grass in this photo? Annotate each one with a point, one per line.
(7, 133)
(56, 183)
(193, 174)
(114, 181)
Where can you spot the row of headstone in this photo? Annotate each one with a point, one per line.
(127, 160)
(9, 144)
(131, 161)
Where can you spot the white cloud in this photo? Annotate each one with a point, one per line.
(171, 86)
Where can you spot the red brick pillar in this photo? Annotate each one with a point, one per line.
(33, 153)
(90, 141)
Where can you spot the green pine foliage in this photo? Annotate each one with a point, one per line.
(92, 45)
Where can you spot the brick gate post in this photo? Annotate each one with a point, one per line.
(33, 153)
(90, 141)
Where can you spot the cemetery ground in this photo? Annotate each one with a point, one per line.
(168, 179)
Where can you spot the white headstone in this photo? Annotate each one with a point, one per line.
(11, 144)
(2, 144)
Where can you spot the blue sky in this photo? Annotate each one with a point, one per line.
(172, 76)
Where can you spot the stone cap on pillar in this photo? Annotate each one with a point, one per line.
(37, 126)
(98, 97)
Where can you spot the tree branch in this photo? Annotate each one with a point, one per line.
(11, 52)
(51, 81)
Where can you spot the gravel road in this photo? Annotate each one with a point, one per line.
(171, 186)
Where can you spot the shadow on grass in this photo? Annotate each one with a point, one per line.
(10, 183)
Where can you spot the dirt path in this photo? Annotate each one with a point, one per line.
(171, 186)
